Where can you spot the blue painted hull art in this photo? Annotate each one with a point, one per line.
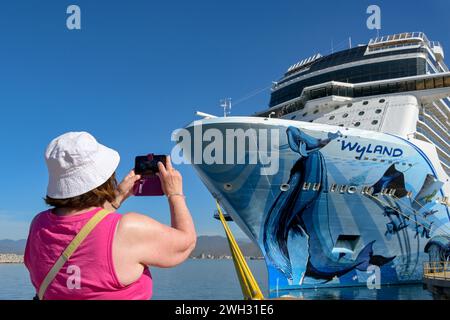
(297, 230)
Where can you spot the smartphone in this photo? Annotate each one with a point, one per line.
(147, 167)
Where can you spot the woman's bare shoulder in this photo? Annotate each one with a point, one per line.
(134, 222)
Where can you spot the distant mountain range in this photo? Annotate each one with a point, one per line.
(12, 246)
(218, 246)
(208, 245)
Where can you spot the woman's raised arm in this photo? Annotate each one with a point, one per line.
(152, 243)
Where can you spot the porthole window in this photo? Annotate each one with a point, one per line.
(374, 122)
(305, 114)
(337, 107)
(365, 103)
(345, 115)
(382, 100)
(357, 124)
(293, 117)
(331, 117)
(228, 186)
(315, 111)
(349, 105)
(361, 113)
(378, 111)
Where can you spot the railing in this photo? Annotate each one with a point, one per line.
(430, 119)
(400, 36)
(436, 270)
(435, 44)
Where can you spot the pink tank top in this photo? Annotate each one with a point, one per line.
(89, 273)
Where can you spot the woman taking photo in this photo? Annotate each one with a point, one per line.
(82, 248)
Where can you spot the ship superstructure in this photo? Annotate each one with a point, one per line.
(342, 89)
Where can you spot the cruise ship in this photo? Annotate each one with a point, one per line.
(344, 179)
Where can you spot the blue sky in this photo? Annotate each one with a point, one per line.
(137, 70)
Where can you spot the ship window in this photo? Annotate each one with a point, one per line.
(393, 87)
(365, 103)
(378, 111)
(374, 122)
(366, 91)
(305, 114)
(439, 82)
(402, 86)
(382, 100)
(345, 115)
(331, 117)
(361, 113)
(375, 89)
(341, 125)
(334, 90)
(411, 86)
(429, 83)
(420, 85)
(349, 105)
(447, 81)
(357, 124)
(316, 111)
(293, 117)
(337, 107)
(311, 120)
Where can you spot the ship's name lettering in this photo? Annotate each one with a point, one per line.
(377, 149)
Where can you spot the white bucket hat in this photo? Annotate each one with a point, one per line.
(77, 163)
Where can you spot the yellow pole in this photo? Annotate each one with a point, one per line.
(249, 286)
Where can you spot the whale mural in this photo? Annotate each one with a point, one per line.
(290, 221)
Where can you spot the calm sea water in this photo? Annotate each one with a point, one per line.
(212, 279)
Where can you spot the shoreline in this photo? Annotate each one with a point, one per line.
(11, 258)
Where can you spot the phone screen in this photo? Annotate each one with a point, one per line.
(148, 165)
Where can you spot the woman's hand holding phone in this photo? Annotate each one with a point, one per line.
(125, 188)
(171, 180)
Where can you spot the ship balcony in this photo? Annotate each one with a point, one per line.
(436, 125)
(425, 133)
(444, 107)
(437, 50)
(439, 110)
(437, 137)
(441, 154)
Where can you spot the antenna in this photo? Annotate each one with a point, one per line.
(350, 42)
(226, 105)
